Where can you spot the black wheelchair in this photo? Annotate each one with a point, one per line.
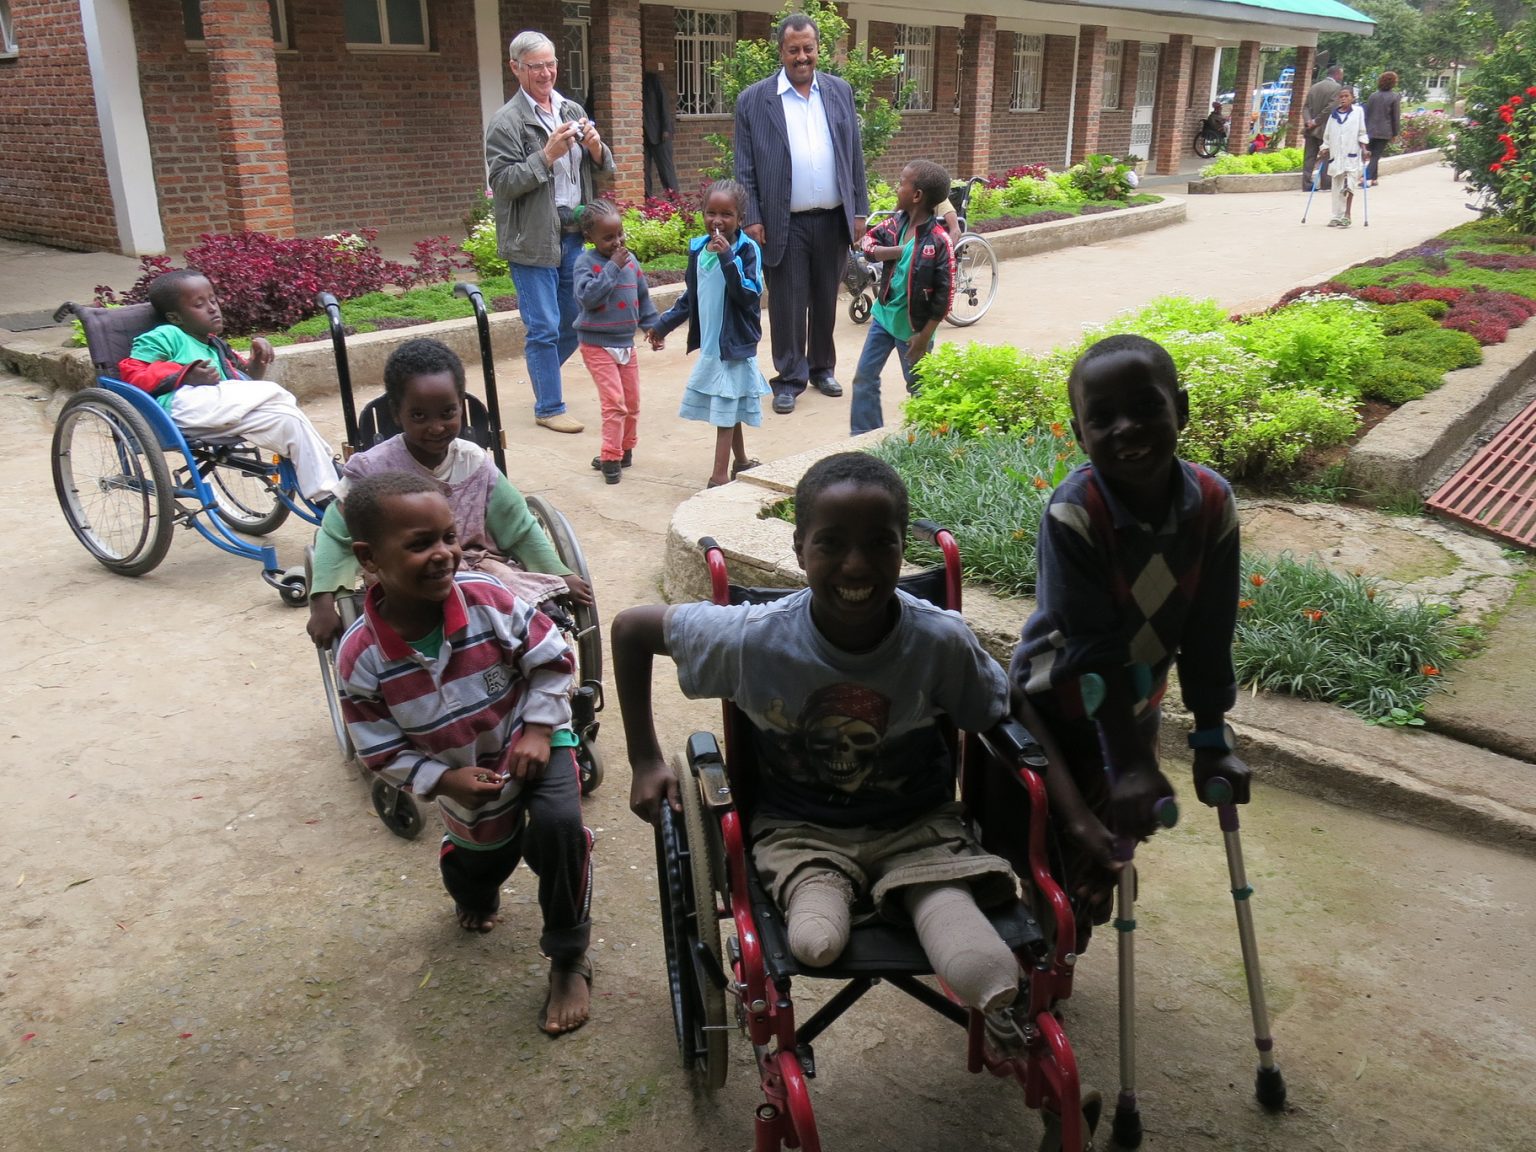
(706, 877)
(578, 622)
(126, 476)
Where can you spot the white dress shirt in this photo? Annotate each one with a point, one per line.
(567, 169)
(813, 162)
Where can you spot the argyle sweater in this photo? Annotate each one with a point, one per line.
(503, 664)
(1116, 593)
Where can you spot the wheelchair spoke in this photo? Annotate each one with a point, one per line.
(113, 495)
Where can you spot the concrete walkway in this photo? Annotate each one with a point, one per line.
(1242, 250)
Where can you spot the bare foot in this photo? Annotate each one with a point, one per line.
(570, 997)
(475, 921)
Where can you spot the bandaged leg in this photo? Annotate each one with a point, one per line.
(819, 917)
(965, 950)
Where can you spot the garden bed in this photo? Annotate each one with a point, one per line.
(1289, 181)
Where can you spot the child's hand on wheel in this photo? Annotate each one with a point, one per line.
(581, 591)
(324, 626)
(654, 785)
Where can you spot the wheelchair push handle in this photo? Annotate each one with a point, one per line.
(332, 309)
(476, 298)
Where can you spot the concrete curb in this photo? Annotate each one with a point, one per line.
(1408, 449)
(309, 370)
(1405, 774)
(1287, 181)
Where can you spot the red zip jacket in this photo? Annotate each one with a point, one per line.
(161, 377)
(931, 276)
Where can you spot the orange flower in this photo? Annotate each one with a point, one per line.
(1058, 431)
(1020, 534)
(1430, 670)
(911, 437)
(1257, 581)
(1370, 593)
(1030, 440)
(1040, 482)
(1245, 603)
(1313, 614)
(944, 429)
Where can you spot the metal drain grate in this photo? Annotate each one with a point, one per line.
(1496, 489)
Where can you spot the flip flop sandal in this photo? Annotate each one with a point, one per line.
(583, 968)
(744, 466)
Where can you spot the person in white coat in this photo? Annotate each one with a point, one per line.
(1345, 147)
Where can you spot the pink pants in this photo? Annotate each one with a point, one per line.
(618, 391)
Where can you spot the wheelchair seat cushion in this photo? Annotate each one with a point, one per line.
(876, 947)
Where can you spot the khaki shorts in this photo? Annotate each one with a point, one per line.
(933, 849)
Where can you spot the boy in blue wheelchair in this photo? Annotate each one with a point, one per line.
(210, 391)
(425, 387)
(842, 683)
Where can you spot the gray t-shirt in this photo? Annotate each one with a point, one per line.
(845, 739)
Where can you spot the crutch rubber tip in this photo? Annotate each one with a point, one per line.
(1269, 1087)
(1126, 1126)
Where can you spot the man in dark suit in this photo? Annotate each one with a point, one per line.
(798, 153)
(658, 132)
(1322, 97)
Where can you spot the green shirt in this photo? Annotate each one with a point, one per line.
(893, 316)
(170, 343)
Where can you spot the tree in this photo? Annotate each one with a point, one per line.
(1397, 45)
(867, 71)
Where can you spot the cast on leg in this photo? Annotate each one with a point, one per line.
(819, 917)
(965, 950)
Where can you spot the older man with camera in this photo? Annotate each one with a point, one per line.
(543, 156)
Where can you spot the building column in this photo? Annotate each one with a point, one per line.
(1243, 89)
(1088, 99)
(1306, 59)
(1172, 115)
(242, 72)
(616, 65)
(978, 64)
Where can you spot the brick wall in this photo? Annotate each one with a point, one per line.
(934, 134)
(691, 150)
(1033, 137)
(54, 184)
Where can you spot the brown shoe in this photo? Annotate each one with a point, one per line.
(560, 423)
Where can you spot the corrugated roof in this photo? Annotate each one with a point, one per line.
(1328, 9)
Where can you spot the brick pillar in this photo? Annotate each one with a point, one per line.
(978, 70)
(615, 53)
(1243, 88)
(1306, 59)
(248, 115)
(1088, 100)
(1172, 114)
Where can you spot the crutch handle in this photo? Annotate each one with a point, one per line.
(1166, 811)
(1218, 791)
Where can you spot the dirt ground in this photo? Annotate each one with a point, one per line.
(207, 940)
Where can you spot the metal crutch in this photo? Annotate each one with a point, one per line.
(1365, 202)
(1269, 1084)
(1317, 178)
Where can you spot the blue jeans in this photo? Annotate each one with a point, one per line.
(864, 413)
(546, 297)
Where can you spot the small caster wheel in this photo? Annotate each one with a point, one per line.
(397, 810)
(1093, 1108)
(859, 308)
(589, 763)
(1269, 1087)
(1126, 1127)
(293, 587)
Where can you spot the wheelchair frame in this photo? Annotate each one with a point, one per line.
(481, 425)
(706, 876)
(135, 489)
(974, 260)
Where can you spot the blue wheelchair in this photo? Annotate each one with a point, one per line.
(579, 623)
(126, 476)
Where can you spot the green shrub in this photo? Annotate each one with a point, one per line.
(1443, 349)
(1397, 318)
(1024, 192)
(1100, 177)
(481, 247)
(1280, 160)
(970, 388)
(1163, 316)
(649, 236)
(1397, 381)
(1312, 633)
(1321, 342)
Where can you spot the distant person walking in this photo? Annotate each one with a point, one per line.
(658, 125)
(1383, 121)
(543, 156)
(799, 157)
(1315, 112)
(1344, 144)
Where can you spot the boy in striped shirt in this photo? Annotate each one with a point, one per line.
(455, 689)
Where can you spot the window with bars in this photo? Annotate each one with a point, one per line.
(7, 35)
(385, 23)
(192, 22)
(701, 38)
(576, 23)
(914, 83)
(1028, 68)
(1114, 62)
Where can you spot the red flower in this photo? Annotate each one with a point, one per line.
(1530, 91)
(1495, 167)
(1257, 581)
(1506, 139)
(1313, 614)
(1516, 100)
(1245, 603)
(1507, 114)
(1430, 670)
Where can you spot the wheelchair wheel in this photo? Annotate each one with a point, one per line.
(1207, 146)
(690, 933)
(333, 702)
(859, 307)
(112, 482)
(243, 486)
(1093, 1108)
(589, 764)
(975, 280)
(397, 810)
(589, 633)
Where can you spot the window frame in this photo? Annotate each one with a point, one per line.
(914, 86)
(576, 16)
(279, 9)
(699, 92)
(1021, 56)
(388, 45)
(9, 49)
(1114, 66)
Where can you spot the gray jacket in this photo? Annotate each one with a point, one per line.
(523, 184)
(1383, 112)
(1320, 101)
